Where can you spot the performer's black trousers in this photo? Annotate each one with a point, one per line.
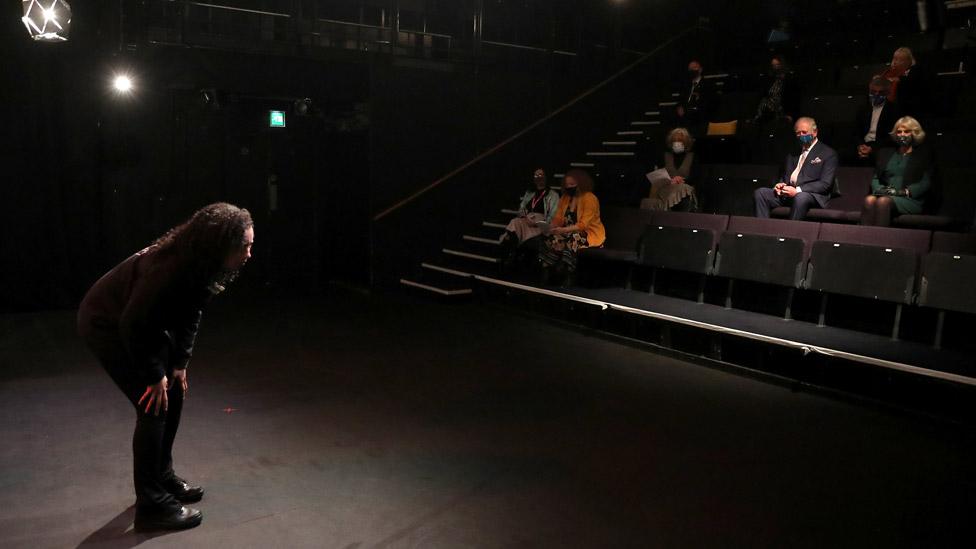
(152, 441)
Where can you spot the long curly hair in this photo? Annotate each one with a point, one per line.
(204, 241)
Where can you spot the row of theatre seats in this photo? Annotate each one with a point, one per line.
(950, 204)
(909, 267)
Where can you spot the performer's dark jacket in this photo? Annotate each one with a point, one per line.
(151, 306)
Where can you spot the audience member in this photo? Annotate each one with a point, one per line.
(695, 100)
(576, 225)
(910, 83)
(807, 177)
(902, 176)
(782, 99)
(538, 204)
(679, 161)
(878, 112)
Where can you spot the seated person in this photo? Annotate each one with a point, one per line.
(537, 204)
(902, 176)
(576, 225)
(807, 176)
(782, 93)
(679, 161)
(692, 110)
(878, 112)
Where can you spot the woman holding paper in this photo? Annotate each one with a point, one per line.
(576, 225)
(670, 189)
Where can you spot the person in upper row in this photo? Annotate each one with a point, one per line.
(910, 83)
(782, 93)
(537, 204)
(679, 161)
(695, 99)
(902, 176)
(877, 114)
(807, 176)
(575, 226)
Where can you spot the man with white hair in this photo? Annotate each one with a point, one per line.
(807, 176)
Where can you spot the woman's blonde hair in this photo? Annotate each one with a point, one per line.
(917, 132)
(680, 134)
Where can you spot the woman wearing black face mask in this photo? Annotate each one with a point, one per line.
(576, 225)
(902, 176)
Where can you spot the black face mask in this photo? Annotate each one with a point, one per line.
(570, 191)
(693, 74)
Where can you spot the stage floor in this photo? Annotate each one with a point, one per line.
(354, 422)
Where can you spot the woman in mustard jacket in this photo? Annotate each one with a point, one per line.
(576, 225)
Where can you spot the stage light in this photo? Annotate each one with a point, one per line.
(47, 20)
(122, 84)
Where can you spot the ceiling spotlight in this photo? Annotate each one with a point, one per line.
(122, 83)
(47, 20)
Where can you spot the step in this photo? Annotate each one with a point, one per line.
(483, 240)
(582, 164)
(652, 113)
(436, 289)
(667, 103)
(447, 270)
(493, 225)
(631, 132)
(607, 153)
(646, 123)
(619, 143)
(470, 255)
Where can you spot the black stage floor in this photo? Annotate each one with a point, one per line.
(355, 422)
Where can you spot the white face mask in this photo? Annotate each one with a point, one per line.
(678, 147)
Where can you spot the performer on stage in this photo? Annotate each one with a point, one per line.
(140, 320)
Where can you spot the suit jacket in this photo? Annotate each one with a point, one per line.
(817, 174)
(698, 102)
(889, 115)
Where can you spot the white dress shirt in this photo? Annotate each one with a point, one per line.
(799, 165)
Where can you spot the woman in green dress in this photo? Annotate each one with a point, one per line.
(902, 176)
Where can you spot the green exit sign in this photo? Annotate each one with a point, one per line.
(276, 119)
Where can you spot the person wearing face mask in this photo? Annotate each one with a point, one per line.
(876, 113)
(576, 225)
(807, 176)
(140, 320)
(694, 99)
(537, 204)
(782, 93)
(679, 161)
(902, 176)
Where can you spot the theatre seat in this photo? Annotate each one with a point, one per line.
(681, 241)
(851, 185)
(765, 250)
(947, 281)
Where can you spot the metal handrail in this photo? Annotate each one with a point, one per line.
(523, 47)
(501, 144)
(232, 8)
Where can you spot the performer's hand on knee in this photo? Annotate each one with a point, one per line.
(180, 376)
(157, 394)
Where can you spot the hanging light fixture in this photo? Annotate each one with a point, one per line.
(47, 20)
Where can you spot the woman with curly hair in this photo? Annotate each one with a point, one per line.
(140, 320)
(576, 225)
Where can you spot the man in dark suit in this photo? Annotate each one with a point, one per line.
(695, 100)
(876, 119)
(807, 176)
